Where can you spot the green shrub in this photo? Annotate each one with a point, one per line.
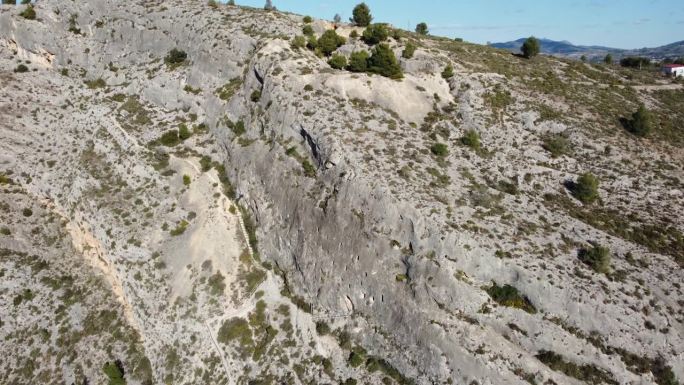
(21, 68)
(183, 132)
(375, 33)
(663, 373)
(175, 58)
(180, 228)
(309, 169)
(27, 212)
(238, 127)
(96, 83)
(598, 257)
(383, 62)
(255, 96)
(187, 180)
(358, 61)
(190, 89)
(28, 13)
(5, 231)
(212, 3)
(329, 42)
(509, 296)
(471, 139)
(440, 149)
(357, 357)
(448, 72)
(170, 138)
(251, 228)
(422, 29)
(4, 179)
(307, 19)
(361, 15)
(531, 47)
(499, 98)
(229, 89)
(322, 328)
(298, 42)
(73, 25)
(585, 373)
(557, 145)
(408, 51)
(354, 35)
(586, 188)
(312, 42)
(338, 61)
(216, 283)
(114, 374)
(307, 30)
(641, 123)
(235, 329)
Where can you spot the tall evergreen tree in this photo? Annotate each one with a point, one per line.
(422, 29)
(362, 15)
(531, 47)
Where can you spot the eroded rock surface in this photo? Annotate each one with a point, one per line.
(251, 214)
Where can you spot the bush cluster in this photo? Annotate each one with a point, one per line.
(375, 33)
(21, 68)
(471, 139)
(175, 58)
(509, 296)
(329, 42)
(338, 61)
(440, 149)
(381, 61)
(448, 72)
(586, 188)
(598, 257)
(408, 51)
(641, 123)
(557, 145)
(635, 62)
(28, 13)
(358, 61)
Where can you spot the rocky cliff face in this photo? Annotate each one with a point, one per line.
(250, 215)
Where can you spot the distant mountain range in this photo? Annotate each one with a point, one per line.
(567, 49)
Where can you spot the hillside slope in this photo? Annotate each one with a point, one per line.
(567, 49)
(250, 215)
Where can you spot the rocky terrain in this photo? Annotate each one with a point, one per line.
(189, 198)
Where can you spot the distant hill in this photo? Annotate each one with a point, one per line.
(567, 49)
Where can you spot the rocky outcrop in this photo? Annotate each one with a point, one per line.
(376, 254)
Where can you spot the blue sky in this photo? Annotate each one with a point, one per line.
(613, 23)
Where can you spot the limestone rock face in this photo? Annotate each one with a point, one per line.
(250, 214)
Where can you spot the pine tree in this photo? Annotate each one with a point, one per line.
(422, 29)
(383, 62)
(531, 47)
(362, 15)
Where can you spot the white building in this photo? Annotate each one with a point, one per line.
(674, 70)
